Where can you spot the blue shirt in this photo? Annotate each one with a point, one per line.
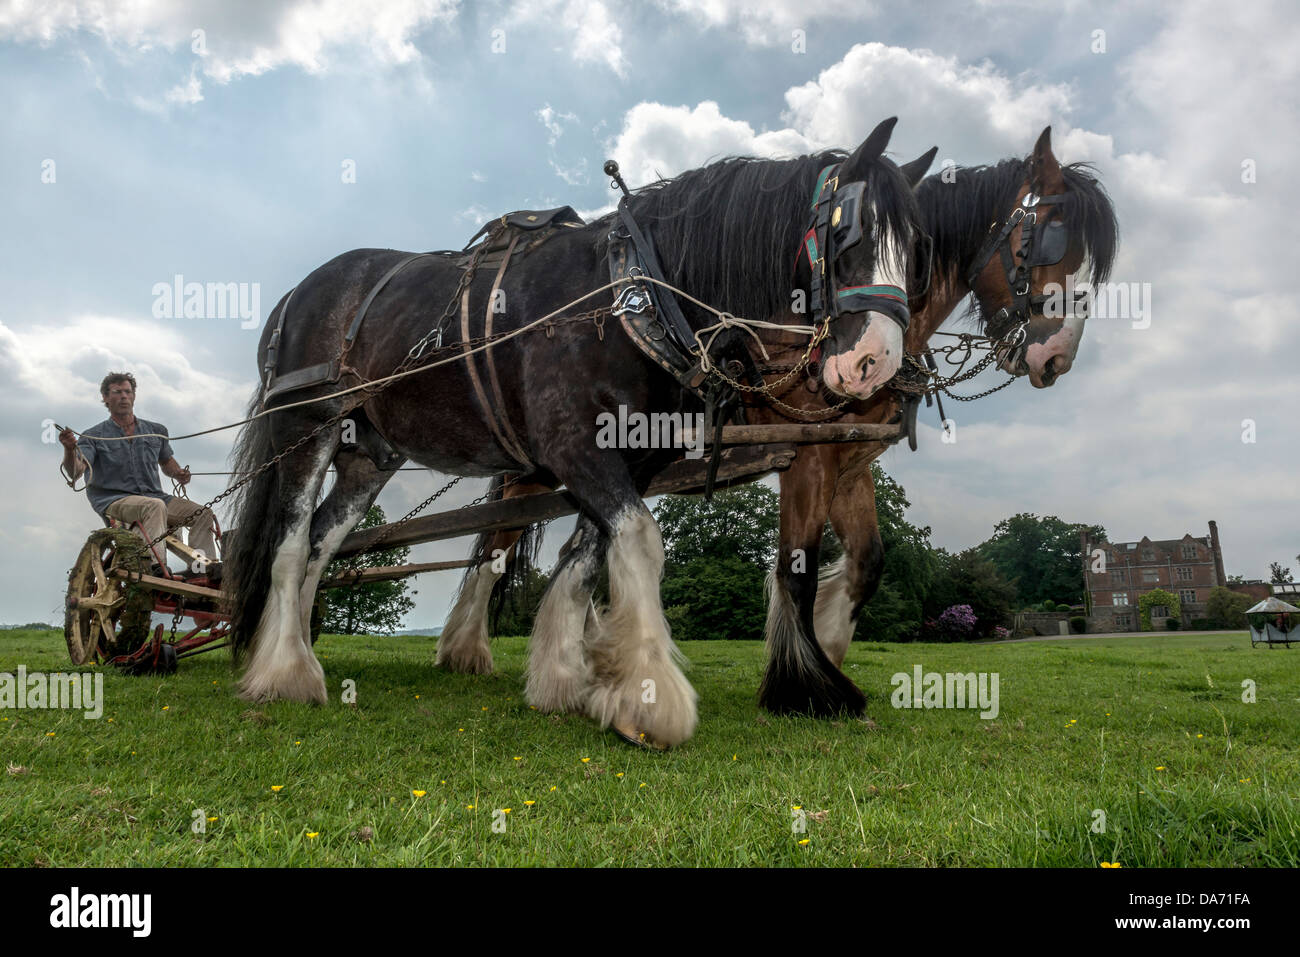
(119, 469)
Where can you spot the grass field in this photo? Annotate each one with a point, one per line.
(1151, 731)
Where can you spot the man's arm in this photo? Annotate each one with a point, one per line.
(172, 469)
(73, 464)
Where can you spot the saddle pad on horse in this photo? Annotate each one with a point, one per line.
(500, 232)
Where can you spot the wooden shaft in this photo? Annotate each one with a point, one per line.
(384, 573)
(682, 477)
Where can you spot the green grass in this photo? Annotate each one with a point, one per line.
(1085, 724)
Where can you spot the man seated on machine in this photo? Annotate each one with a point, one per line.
(123, 482)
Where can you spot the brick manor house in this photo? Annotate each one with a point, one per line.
(1188, 567)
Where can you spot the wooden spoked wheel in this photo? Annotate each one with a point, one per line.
(106, 615)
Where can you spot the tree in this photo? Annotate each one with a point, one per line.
(1227, 608)
(741, 522)
(1277, 574)
(968, 578)
(374, 608)
(519, 607)
(1042, 557)
(715, 599)
(716, 556)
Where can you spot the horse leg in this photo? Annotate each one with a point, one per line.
(800, 679)
(464, 644)
(356, 486)
(282, 664)
(638, 686)
(559, 674)
(855, 577)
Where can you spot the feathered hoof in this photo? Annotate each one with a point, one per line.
(305, 682)
(465, 660)
(557, 690)
(825, 695)
(637, 739)
(660, 720)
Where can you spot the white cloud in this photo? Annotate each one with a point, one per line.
(770, 22)
(238, 40)
(969, 104)
(594, 36)
(658, 140)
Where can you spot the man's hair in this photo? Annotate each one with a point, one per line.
(112, 379)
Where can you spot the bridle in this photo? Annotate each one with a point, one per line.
(836, 226)
(1041, 244)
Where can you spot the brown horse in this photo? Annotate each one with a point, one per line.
(1058, 218)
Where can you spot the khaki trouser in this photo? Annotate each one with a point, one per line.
(156, 515)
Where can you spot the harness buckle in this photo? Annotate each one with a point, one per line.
(631, 298)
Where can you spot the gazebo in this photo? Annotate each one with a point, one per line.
(1273, 622)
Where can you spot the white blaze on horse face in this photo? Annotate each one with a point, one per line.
(861, 371)
(1059, 349)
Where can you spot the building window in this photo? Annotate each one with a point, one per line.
(1184, 573)
(1187, 596)
(1189, 550)
(1119, 598)
(1117, 576)
(1148, 555)
(1159, 611)
(1151, 574)
(1123, 622)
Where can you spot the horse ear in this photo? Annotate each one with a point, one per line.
(871, 149)
(1045, 176)
(916, 169)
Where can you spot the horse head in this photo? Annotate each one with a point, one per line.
(1022, 276)
(856, 262)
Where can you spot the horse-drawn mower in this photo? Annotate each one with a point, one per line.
(113, 597)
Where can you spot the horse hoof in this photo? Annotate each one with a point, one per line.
(637, 739)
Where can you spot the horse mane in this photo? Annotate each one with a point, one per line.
(959, 213)
(730, 233)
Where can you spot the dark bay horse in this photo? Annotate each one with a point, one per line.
(726, 234)
(1073, 222)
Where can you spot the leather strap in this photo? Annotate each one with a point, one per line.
(486, 407)
(513, 445)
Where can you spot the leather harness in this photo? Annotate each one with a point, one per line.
(648, 312)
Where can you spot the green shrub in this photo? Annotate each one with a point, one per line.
(1049, 605)
(1227, 608)
(1202, 624)
(1078, 624)
(1172, 624)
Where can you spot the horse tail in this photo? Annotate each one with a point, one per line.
(800, 679)
(520, 563)
(257, 527)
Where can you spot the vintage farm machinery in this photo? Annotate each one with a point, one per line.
(112, 596)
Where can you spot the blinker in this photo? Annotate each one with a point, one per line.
(846, 220)
(1050, 244)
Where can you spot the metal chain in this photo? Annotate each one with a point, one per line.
(770, 390)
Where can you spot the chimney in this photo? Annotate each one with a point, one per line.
(1217, 552)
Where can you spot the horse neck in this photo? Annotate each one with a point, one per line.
(947, 290)
(948, 286)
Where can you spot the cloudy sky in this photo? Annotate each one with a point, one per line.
(214, 140)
